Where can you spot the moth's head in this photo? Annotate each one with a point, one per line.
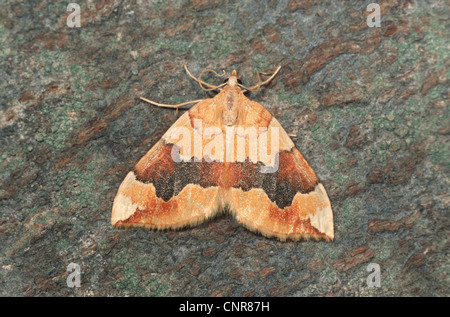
(233, 80)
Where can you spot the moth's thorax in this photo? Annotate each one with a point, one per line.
(232, 80)
(233, 102)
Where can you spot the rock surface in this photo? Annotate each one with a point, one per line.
(368, 106)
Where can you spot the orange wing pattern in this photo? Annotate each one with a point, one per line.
(211, 158)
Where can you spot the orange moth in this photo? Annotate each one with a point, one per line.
(226, 153)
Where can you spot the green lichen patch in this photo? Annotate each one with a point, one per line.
(5, 50)
(80, 188)
(63, 114)
(350, 212)
(218, 40)
(135, 278)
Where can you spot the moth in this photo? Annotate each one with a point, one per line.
(226, 153)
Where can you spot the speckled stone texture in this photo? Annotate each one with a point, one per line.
(369, 108)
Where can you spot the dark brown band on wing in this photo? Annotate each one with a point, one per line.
(281, 185)
(170, 177)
